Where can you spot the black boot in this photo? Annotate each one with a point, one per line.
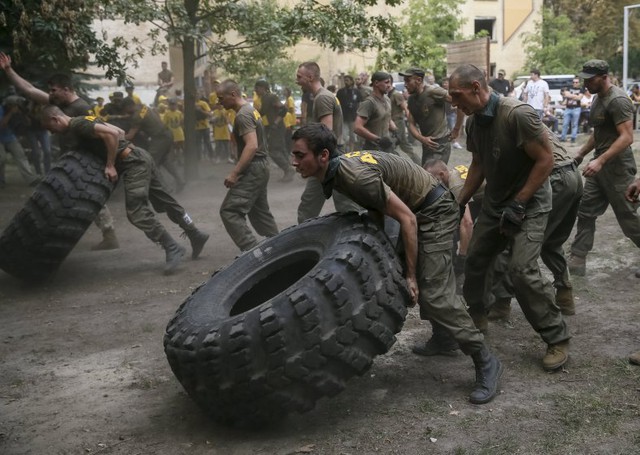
(440, 343)
(174, 253)
(488, 372)
(197, 239)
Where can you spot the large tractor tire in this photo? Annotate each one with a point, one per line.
(61, 208)
(289, 321)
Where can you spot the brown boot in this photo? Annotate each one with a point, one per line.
(556, 356)
(577, 264)
(109, 241)
(564, 300)
(634, 358)
(500, 310)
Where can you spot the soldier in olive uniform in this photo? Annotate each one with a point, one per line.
(146, 120)
(324, 108)
(387, 184)
(247, 182)
(138, 172)
(511, 149)
(612, 168)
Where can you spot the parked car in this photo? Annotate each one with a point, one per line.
(556, 83)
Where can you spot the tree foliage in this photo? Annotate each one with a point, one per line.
(427, 25)
(556, 47)
(242, 36)
(604, 18)
(50, 36)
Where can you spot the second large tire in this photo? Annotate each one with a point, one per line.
(61, 208)
(289, 321)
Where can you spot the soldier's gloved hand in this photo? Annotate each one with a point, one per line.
(384, 143)
(512, 218)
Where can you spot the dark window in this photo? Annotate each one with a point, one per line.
(486, 24)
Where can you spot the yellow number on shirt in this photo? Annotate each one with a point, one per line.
(463, 170)
(365, 157)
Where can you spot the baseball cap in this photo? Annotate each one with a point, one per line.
(502, 72)
(412, 72)
(380, 76)
(594, 68)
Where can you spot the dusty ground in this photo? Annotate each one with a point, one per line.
(82, 369)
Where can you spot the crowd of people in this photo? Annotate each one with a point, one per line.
(476, 231)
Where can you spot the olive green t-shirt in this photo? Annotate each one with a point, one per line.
(498, 144)
(560, 154)
(81, 129)
(377, 111)
(607, 111)
(247, 120)
(428, 111)
(368, 178)
(325, 103)
(148, 121)
(397, 100)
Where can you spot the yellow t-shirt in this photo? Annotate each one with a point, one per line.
(290, 118)
(213, 99)
(173, 120)
(204, 123)
(136, 99)
(220, 120)
(257, 105)
(97, 111)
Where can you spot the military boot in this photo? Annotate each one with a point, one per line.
(577, 264)
(556, 356)
(109, 241)
(564, 300)
(196, 236)
(197, 239)
(174, 253)
(440, 343)
(488, 372)
(500, 310)
(634, 358)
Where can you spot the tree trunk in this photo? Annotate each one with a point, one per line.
(191, 155)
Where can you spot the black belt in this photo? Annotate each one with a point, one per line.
(565, 166)
(432, 196)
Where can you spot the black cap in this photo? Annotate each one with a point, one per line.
(594, 68)
(380, 76)
(412, 72)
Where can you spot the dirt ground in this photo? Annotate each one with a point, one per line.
(82, 367)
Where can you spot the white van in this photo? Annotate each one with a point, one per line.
(556, 83)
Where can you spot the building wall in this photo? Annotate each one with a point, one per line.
(512, 19)
(146, 74)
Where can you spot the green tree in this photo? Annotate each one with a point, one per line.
(427, 26)
(555, 47)
(605, 18)
(44, 37)
(252, 33)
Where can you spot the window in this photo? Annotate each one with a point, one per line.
(486, 24)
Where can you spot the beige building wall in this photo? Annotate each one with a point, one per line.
(511, 18)
(146, 72)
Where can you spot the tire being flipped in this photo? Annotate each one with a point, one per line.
(289, 321)
(54, 218)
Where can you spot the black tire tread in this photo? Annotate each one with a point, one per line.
(55, 217)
